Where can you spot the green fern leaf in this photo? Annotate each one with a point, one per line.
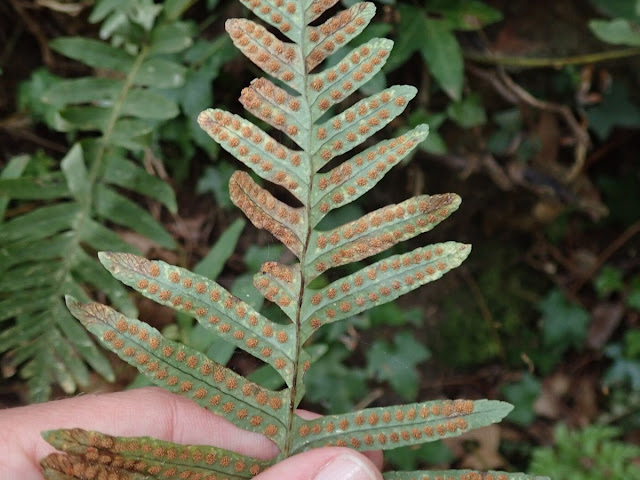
(67, 208)
(392, 427)
(459, 475)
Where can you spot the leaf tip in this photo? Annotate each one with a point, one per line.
(72, 303)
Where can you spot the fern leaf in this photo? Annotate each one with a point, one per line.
(391, 427)
(187, 373)
(278, 108)
(279, 59)
(356, 176)
(9, 174)
(75, 201)
(142, 457)
(380, 282)
(460, 475)
(210, 304)
(342, 132)
(336, 32)
(376, 231)
(333, 85)
(265, 211)
(288, 19)
(252, 146)
(279, 284)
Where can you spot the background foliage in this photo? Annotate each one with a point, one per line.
(534, 121)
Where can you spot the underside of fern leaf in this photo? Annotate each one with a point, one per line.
(299, 101)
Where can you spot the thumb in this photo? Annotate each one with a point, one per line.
(328, 463)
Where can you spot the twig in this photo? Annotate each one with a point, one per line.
(34, 28)
(546, 62)
(565, 112)
(514, 93)
(627, 235)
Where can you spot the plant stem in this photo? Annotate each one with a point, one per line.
(551, 62)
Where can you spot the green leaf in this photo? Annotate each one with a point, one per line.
(460, 475)
(28, 250)
(75, 172)
(131, 133)
(354, 177)
(464, 14)
(608, 281)
(409, 458)
(124, 173)
(409, 36)
(42, 187)
(90, 271)
(564, 324)
(633, 297)
(182, 370)
(100, 237)
(213, 263)
(443, 56)
(160, 73)
(618, 8)
(468, 112)
(94, 53)
(83, 90)
(617, 31)
(392, 427)
(40, 223)
(172, 37)
(123, 211)
(523, 395)
(216, 181)
(396, 363)
(174, 8)
(147, 104)
(616, 109)
(12, 171)
(103, 8)
(210, 304)
(330, 374)
(378, 283)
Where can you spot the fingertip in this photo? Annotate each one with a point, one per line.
(328, 463)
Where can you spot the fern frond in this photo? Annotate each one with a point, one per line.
(74, 209)
(297, 102)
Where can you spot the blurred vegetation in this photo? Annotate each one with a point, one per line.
(535, 122)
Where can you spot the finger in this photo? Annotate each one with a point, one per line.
(142, 412)
(328, 463)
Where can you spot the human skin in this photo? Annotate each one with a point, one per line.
(157, 413)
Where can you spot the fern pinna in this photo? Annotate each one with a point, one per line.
(299, 103)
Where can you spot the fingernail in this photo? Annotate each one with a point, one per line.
(346, 467)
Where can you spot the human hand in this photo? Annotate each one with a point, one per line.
(157, 413)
